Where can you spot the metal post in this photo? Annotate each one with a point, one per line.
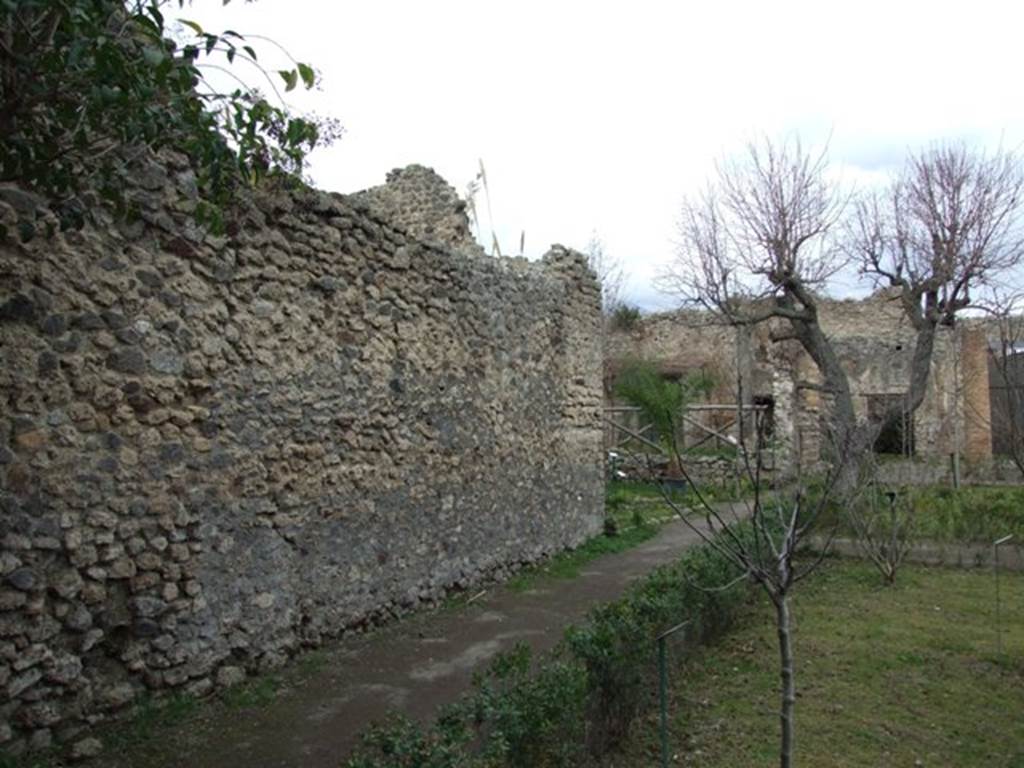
(663, 699)
(995, 568)
(663, 688)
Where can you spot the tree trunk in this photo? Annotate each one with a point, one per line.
(843, 432)
(920, 366)
(851, 440)
(782, 620)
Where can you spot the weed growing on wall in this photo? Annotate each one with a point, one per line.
(625, 317)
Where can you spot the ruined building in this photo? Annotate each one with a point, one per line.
(874, 341)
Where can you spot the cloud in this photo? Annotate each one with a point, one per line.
(592, 115)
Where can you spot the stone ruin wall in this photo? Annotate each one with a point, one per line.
(679, 344)
(217, 450)
(875, 344)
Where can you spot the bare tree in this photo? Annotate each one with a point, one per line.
(883, 522)
(761, 244)
(944, 232)
(763, 241)
(762, 536)
(609, 271)
(757, 246)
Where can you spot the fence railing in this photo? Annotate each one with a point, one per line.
(624, 424)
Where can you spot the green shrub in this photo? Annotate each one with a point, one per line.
(625, 318)
(531, 720)
(402, 743)
(659, 398)
(583, 697)
(88, 83)
(978, 514)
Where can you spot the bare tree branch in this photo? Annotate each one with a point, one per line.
(609, 271)
(761, 242)
(944, 231)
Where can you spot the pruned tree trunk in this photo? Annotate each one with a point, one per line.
(783, 621)
(848, 438)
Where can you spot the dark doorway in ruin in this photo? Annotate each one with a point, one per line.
(766, 415)
(896, 431)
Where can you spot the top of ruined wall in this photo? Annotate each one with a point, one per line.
(676, 341)
(879, 316)
(420, 202)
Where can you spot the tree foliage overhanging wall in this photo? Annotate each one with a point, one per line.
(87, 84)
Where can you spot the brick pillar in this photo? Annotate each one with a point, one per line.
(977, 407)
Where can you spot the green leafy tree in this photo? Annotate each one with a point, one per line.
(84, 84)
(624, 317)
(660, 399)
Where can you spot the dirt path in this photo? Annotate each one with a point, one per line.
(413, 666)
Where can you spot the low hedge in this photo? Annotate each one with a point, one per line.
(580, 699)
(971, 514)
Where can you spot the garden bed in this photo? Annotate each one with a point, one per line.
(968, 515)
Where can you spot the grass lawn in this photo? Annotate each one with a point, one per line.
(904, 676)
(630, 501)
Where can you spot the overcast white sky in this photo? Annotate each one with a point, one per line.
(594, 116)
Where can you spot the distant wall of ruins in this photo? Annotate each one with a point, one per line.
(875, 344)
(217, 449)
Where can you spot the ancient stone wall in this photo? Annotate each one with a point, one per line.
(977, 406)
(875, 345)
(997, 470)
(678, 343)
(684, 343)
(216, 450)
(741, 363)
